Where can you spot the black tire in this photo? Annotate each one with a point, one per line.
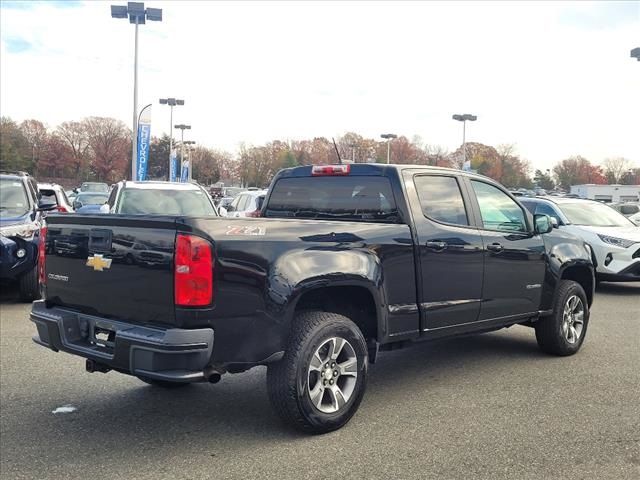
(288, 379)
(164, 384)
(550, 334)
(29, 286)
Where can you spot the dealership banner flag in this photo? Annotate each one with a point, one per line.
(173, 173)
(144, 137)
(184, 173)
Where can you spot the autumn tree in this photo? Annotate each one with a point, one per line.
(437, 156)
(110, 144)
(577, 170)
(616, 168)
(501, 163)
(55, 156)
(209, 165)
(353, 146)
(14, 151)
(36, 136)
(74, 134)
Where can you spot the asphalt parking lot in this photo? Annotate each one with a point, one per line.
(487, 406)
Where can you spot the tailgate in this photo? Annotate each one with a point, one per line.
(112, 266)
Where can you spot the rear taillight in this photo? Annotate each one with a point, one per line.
(254, 214)
(318, 170)
(42, 251)
(193, 275)
(62, 209)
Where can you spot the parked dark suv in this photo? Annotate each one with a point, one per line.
(20, 219)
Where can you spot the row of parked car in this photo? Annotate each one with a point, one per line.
(24, 204)
(91, 196)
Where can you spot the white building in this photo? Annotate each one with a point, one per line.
(608, 193)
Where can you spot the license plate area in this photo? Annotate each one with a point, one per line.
(102, 335)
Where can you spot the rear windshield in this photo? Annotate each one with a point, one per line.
(94, 187)
(193, 203)
(361, 198)
(91, 199)
(48, 196)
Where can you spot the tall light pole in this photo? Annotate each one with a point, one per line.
(172, 102)
(389, 137)
(353, 152)
(137, 15)
(464, 118)
(189, 144)
(182, 127)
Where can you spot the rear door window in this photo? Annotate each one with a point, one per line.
(441, 199)
(363, 198)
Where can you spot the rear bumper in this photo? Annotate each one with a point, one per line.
(173, 354)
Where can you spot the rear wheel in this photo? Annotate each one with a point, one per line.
(563, 332)
(319, 384)
(164, 383)
(29, 286)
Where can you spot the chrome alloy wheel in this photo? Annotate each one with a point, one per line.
(573, 319)
(332, 375)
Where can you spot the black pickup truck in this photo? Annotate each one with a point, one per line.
(345, 260)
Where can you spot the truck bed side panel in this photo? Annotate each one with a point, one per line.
(264, 266)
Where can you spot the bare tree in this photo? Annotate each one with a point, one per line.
(36, 135)
(437, 155)
(616, 168)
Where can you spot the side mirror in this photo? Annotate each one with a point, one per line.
(543, 223)
(77, 205)
(46, 207)
(230, 208)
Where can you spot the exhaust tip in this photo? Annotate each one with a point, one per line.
(92, 366)
(214, 378)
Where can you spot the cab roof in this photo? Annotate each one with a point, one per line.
(380, 169)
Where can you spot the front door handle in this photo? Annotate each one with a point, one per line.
(436, 245)
(495, 247)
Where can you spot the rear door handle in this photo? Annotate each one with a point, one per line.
(437, 246)
(495, 247)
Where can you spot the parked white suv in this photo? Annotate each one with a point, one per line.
(247, 204)
(614, 239)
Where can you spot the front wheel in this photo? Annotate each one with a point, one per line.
(319, 384)
(563, 332)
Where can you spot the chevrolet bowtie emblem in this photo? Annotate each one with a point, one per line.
(98, 262)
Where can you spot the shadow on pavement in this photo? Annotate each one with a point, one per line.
(238, 408)
(612, 288)
(9, 294)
